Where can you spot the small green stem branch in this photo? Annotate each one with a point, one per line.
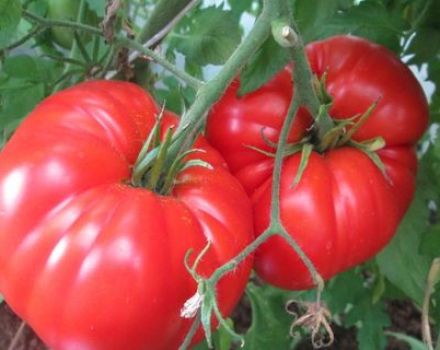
(74, 53)
(119, 41)
(433, 277)
(155, 30)
(75, 50)
(237, 260)
(132, 44)
(34, 32)
(56, 23)
(151, 40)
(164, 12)
(191, 333)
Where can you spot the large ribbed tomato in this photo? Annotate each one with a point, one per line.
(91, 262)
(344, 210)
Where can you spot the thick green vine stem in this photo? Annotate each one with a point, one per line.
(210, 92)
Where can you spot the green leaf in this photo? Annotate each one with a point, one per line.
(373, 319)
(430, 244)
(98, 6)
(24, 70)
(414, 343)
(268, 60)
(371, 334)
(344, 289)
(209, 36)
(38, 7)
(10, 15)
(270, 321)
(22, 67)
(222, 339)
(174, 95)
(238, 7)
(16, 104)
(434, 76)
(369, 19)
(310, 14)
(425, 45)
(318, 19)
(401, 261)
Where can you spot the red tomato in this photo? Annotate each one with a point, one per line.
(344, 210)
(91, 262)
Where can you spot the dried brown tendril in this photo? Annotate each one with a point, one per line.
(314, 317)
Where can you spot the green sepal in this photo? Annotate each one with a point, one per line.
(151, 136)
(206, 315)
(361, 121)
(305, 156)
(179, 165)
(366, 148)
(156, 170)
(323, 126)
(320, 87)
(262, 151)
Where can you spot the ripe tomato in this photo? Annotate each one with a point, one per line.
(344, 210)
(91, 262)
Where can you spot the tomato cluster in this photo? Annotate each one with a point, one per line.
(92, 262)
(344, 209)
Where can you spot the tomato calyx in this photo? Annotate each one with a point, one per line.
(203, 304)
(153, 168)
(343, 131)
(340, 135)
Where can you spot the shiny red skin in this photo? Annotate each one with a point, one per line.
(344, 210)
(91, 262)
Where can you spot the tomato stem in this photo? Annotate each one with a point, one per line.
(433, 278)
(191, 333)
(118, 41)
(210, 92)
(304, 95)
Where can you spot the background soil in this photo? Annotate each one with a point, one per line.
(404, 316)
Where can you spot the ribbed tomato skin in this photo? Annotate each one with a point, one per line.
(91, 262)
(344, 210)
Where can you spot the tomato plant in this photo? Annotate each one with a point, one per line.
(343, 193)
(344, 208)
(91, 262)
